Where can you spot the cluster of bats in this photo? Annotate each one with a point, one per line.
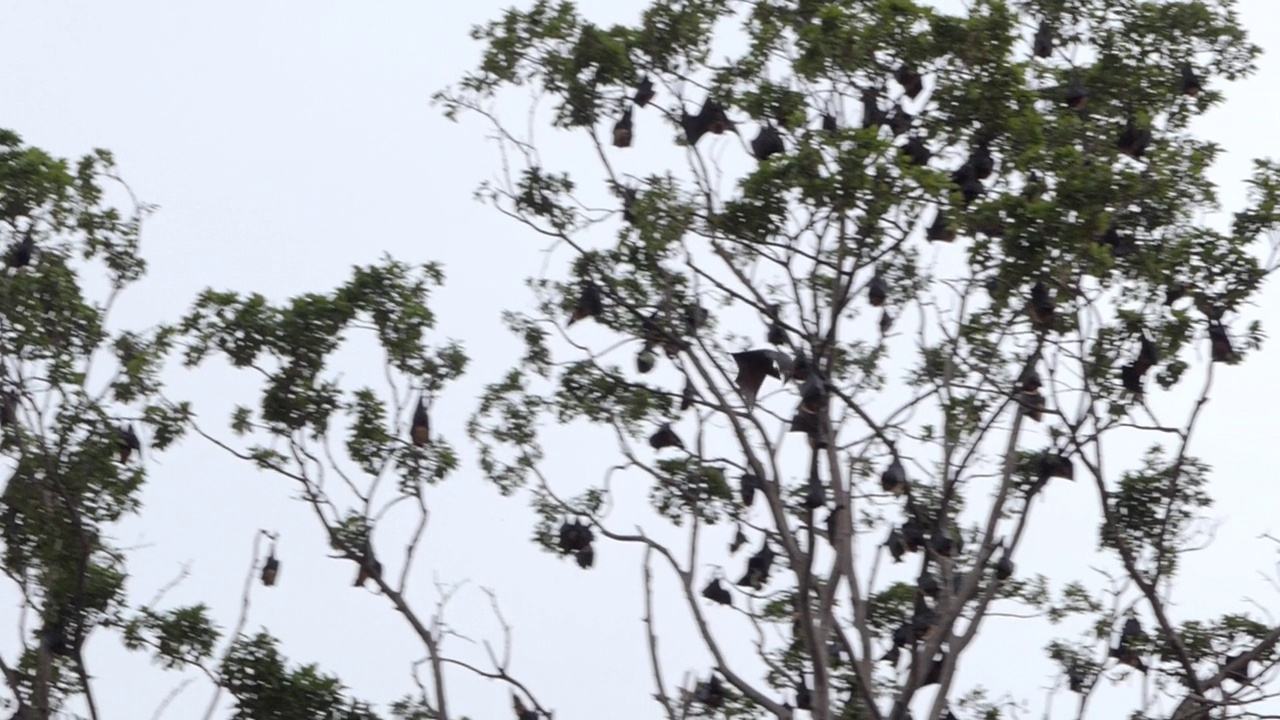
(368, 565)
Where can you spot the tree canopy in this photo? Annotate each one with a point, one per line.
(846, 290)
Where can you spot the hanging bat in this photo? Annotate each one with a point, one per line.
(1033, 188)
(981, 161)
(589, 303)
(777, 334)
(1133, 140)
(695, 316)
(753, 366)
(370, 567)
(935, 671)
(924, 620)
(717, 593)
(629, 197)
(1190, 82)
(1042, 44)
(899, 121)
(1051, 465)
(1029, 380)
(1220, 343)
(1033, 404)
(645, 360)
(886, 321)
(270, 569)
(1041, 307)
(758, 567)
(829, 123)
(966, 179)
(929, 585)
(420, 431)
(912, 534)
(1124, 651)
(747, 489)
(872, 115)
(20, 256)
(897, 545)
(522, 712)
(9, 409)
(1004, 567)
(813, 395)
(894, 478)
(941, 541)
(909, 79)
(1239, 675)
(941, 230)
(833, 524)
(1077, 96)
(665, 437)
(586, 557)
(877, 290)
(816, 496)
(574, 536)
(739, 539)
(916, 151)
(767, 143)
(127, 443)
(622, 129)
(894, 655)
(644, 92)
(710, 693)
(689, 395)
(804, 699)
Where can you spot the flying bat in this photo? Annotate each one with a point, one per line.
(753, 366)
(420, 432)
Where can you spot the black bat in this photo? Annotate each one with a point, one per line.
(270, 570)
(813, 395)
(589, 303)
(899, 121)
(1029, 380)
(929, 585)
(877, 291)
(941, 230)
(909, 79)
(9, 409)
(981, 161)
(370, 567)
(758, 567)
(767, 143)
(1220, 343)
(1077, 95)
(629, 197)
(753, 366)
(894, 478)
(966, 179)
(622, 129)
(897, 545)
(739, 539)
(829, 123)
(804, 699)
(747, 489)
(645, 360)
(1133, 140)
(522, 712)
(1041, 306)
(574, 536)
(689, 395)
(710, 693)
(644, 92)
(20, 255)
(1004, 567)
(1190, 82)
(710, 119)
(872, 115)
(886, 321)
(833, 524)
(717, 593)
(816, 495)
(917, 151)
(127, 443)
(586, 557)
(1042, 45)
(1124, 651)
(665, 437)
(420, 431)
(1033, 404)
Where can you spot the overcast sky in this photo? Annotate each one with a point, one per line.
(284, 142)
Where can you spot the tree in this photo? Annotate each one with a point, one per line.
(75, 396)
(970, 241)
(83, 409)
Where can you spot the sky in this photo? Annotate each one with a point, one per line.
(286, 141)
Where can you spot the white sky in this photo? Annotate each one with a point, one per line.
(286, 141)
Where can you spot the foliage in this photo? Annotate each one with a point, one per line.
(975, 234)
